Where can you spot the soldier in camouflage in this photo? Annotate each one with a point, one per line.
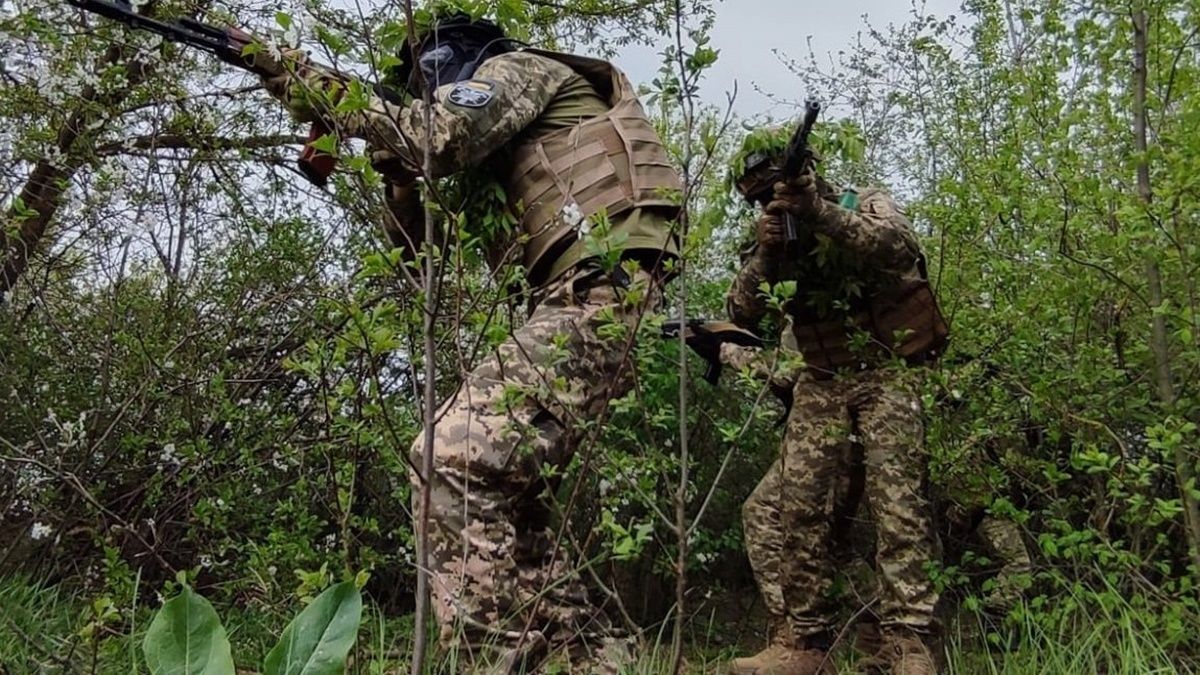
(568, 140)
(861, 318)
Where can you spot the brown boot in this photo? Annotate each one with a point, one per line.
(868, 638)
(801, 657)
(903, 652)
(806, 661)
(778, 646)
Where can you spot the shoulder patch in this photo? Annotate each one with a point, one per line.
(472, 93)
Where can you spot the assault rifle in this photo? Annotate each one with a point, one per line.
(763, 171)
(227, 44)
(706, 337)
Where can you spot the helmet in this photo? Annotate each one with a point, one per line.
(449, 51)
(758, 165)
(760, 171)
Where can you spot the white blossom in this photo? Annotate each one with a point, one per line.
(291, 36)
(40, 531)
(572, 216)
(273, 50)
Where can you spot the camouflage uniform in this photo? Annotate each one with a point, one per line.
(503, 588)
(522, 412)
(873, 406)
(1000, 541)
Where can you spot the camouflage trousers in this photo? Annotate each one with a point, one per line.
(1000, 541)
(502, 583)
(789, 518)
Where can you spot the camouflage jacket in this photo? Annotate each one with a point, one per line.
(512, 99)
(848, 262)
(461, 136)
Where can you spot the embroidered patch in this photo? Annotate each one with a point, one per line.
(472, 94)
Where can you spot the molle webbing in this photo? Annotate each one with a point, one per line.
(913, 316)
(610, 163)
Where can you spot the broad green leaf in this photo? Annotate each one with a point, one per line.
(318, 640)
(186, 638)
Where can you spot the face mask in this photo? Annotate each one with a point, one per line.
(440, 66)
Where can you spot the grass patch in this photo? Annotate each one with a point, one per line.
(45, 628)
(1087, 633)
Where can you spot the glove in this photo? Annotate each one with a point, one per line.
(799, 196)
(301, 87)
(768, 230)
(268, 62)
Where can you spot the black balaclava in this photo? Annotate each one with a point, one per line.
(453, 49)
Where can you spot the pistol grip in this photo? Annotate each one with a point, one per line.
(712, 374)
(790, 233)
(315, 164)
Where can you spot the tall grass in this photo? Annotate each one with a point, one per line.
(1097, 633)
(38, 630)
(46, 629)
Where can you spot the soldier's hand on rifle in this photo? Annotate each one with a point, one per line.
(798, 196)
(288, 63)
(768, 231)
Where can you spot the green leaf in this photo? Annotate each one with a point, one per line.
(327, 144)
(318, 640)
(186, 638)
(20, 210)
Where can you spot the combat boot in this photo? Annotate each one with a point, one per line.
(868, 638)
(806, 656)
(778, 646)
(902, 652)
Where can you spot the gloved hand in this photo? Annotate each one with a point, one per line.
(267, 61)
(799, 196)
(301, 87)
(768, 230)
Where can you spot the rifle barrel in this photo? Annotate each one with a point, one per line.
(797, 151)
(185, 31)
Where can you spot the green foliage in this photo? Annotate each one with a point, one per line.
(208, 367)
(187, 638)
(840, 141)
(318, 640)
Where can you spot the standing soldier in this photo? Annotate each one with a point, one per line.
(862, 314)
(568, 140)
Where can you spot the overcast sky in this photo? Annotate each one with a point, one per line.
(746, 32)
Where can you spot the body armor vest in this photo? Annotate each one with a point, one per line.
(611, 163)
(904, 322)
